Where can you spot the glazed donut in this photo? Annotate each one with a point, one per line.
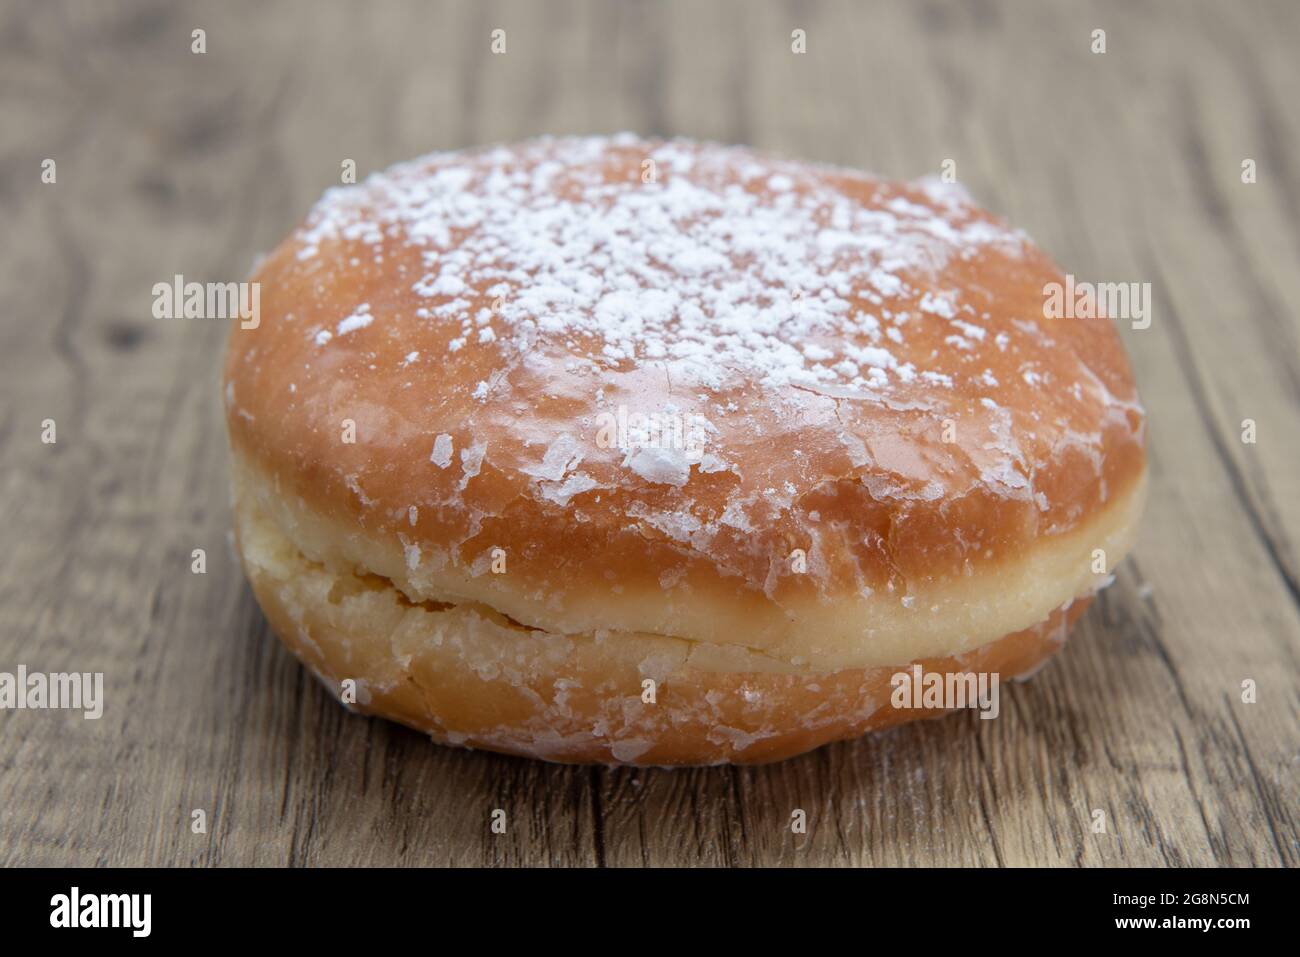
(611, 450)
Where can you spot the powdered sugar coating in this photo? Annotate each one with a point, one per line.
(718, 264)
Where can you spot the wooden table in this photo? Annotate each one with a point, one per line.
(1126, 166)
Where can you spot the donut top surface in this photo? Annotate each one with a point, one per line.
(654, 365)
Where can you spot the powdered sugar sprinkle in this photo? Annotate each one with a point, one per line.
(704, 269)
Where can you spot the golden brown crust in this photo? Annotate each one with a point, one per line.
(886, 413)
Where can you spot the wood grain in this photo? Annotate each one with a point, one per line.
(1126, 166)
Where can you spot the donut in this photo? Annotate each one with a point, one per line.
(612, 450)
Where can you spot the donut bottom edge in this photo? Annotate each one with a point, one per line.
(467, 676)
